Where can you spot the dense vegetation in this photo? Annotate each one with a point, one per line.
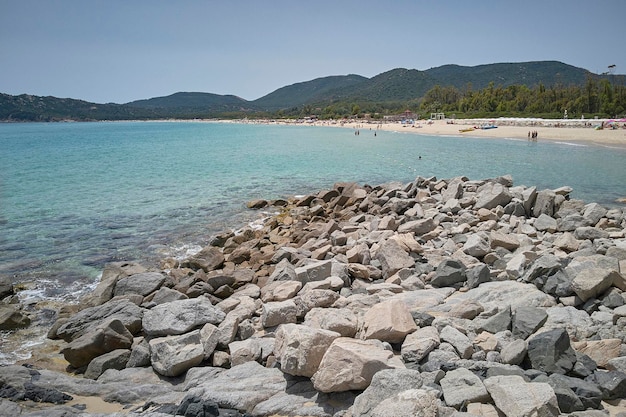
(531, 89)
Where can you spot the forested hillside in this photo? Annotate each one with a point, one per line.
(528, 89)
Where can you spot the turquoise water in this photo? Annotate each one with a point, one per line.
(74, 196)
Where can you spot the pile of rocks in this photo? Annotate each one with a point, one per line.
(433, 298)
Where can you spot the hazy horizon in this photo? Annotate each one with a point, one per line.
(117, 52)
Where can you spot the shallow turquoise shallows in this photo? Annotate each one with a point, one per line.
(74, 196)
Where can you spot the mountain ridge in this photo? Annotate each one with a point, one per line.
(399, 85)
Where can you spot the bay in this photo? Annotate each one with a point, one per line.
(74, 196)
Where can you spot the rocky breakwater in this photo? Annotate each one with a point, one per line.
(433, 298)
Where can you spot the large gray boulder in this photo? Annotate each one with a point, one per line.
(316, 271)
(125, 311)
(526, 320)
(181, 316)
(448, 273)
(111, 273)
(461, 386)
(518, 398)
(385, 384)
(420, 343)
(593, 213)
(458, 340)
(300, 349)
(105, 337)
(544, 203)
(477, 245)
(142, 284)
(350, 364)
(491, 195)
(551, 352)
(174, 355)
(116, 359)
(409, 403)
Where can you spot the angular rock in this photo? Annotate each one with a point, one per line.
(526, 320)
(491, 195)
(174, 355)
(166, 295)
(317, 271)
(385, 384)
(461, 342)
(350, 364)
(208, 259)
(418, 227)
(116, 359)
(551, 352)
(587, 392)
(245, 351)
(279, 312)
(389, 321)
(544, 203)
(342, 321)
(106, 337)
(318, 298)
(501, 240)
(611, 383)
(123, 310)
(567, 242)
(112, 272)
(409, 403)
(513, 353)
(419, 344)
(448, 273)
(591, 282)
(477, 245)
(461, 386)
(142, 284)
(601, 351)
(477, 275)
(280, 290)
(393, 257)
(178, 317)
(518, 398)
(590, 233)
(593, 213)
(545, 223)
(300, 349)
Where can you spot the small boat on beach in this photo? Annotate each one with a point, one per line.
(469, 129)
(485, 127)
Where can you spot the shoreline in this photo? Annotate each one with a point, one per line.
(568, 132)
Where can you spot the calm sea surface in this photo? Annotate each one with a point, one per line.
(74, 196)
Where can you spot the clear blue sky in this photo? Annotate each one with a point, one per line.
(124, 50)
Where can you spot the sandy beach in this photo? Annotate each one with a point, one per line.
(570, 131)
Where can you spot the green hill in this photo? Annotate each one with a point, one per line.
(393, 89)
(317, 90)
(48, 109)
(549, 73)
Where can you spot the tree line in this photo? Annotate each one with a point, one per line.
(597, 97)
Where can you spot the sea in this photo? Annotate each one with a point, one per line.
(75, 196)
